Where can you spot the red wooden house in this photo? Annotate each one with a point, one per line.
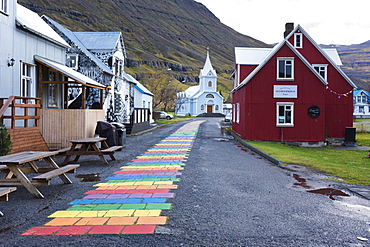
(294, 92)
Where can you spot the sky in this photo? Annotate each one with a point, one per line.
(342, 22)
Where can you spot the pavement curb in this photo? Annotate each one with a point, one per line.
(254, 149)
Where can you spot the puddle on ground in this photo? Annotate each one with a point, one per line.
(301, 181)
(329, 192)
(94, 177)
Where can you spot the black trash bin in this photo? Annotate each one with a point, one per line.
(107, 130)
(121, 133)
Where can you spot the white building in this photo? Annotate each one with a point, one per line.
(23, 36)
(361, 104)
(203, 98)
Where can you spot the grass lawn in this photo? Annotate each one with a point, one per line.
(172, 120)
(350, 165)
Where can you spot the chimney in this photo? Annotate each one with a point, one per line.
(288, 28)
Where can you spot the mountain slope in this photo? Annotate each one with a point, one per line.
(175, 31)
(356, 62)
(158, 34)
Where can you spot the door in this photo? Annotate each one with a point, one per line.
(209, 108)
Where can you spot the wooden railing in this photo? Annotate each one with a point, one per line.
(21, 112)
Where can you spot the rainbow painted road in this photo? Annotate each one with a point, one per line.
(131, 201)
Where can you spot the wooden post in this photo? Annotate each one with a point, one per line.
(83, 97)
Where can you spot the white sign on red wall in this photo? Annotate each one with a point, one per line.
(285, 91)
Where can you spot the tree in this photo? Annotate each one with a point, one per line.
(5, 142)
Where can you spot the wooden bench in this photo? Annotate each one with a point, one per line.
(4, 191)
(112, 149)
(56, 172)
(63, 150)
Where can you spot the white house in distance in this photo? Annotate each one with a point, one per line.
(203, 98)
(361, 104)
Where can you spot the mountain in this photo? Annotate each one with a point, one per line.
(356, 62)
(158, 34)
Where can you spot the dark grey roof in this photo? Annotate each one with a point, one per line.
(71, 35)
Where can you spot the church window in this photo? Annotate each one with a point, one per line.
(209, 83)
(210, 96)
(202, 107)
(216, 107)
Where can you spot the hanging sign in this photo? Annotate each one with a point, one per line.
(285, 91)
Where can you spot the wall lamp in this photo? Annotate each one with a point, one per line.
(11, 62)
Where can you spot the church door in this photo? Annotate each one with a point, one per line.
(209, 108)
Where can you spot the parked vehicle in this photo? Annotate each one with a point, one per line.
(228, 117)
(165, 115)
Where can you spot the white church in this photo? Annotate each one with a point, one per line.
(203, 98)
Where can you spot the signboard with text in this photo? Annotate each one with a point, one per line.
(285, 91)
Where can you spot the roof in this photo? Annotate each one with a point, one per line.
(99, 40)
(69, 72)
(356, 92)
(207, 67)
(254, 56)
(32, 22)
(71, 36)
(251, 55)
(140, 87)
(191, 91)
(330, 54)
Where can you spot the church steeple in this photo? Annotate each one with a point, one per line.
(207, 68)
(207, 76)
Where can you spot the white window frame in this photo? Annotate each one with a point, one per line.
(280, 118)
(27, 88)
(72, 58)
(237, 120)
(288, 63)
(322, 68)
(298, 40)
(4, 6)
(210, 83)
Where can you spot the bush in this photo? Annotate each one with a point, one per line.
(5, 142)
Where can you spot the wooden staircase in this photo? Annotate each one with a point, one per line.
(21, 116)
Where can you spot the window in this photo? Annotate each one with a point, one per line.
(298, 42)
(361, 109)
(321, 69)
(202, 107)
(284, 114)
(72, 61)
(216, 107)
(53, 91)
(143, 103)
(210, 96)
(285, 68)
(27, 73)
(4, 6)
(209, 83)
(237, 112)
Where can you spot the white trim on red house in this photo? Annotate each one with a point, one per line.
(275, 50)
(335, 65)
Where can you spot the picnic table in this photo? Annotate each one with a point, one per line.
(15, 166)
(88, 146)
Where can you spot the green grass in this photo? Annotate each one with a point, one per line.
(350, 166)
(363, 139)
(178, 119)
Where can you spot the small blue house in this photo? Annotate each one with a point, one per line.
(361, 104)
